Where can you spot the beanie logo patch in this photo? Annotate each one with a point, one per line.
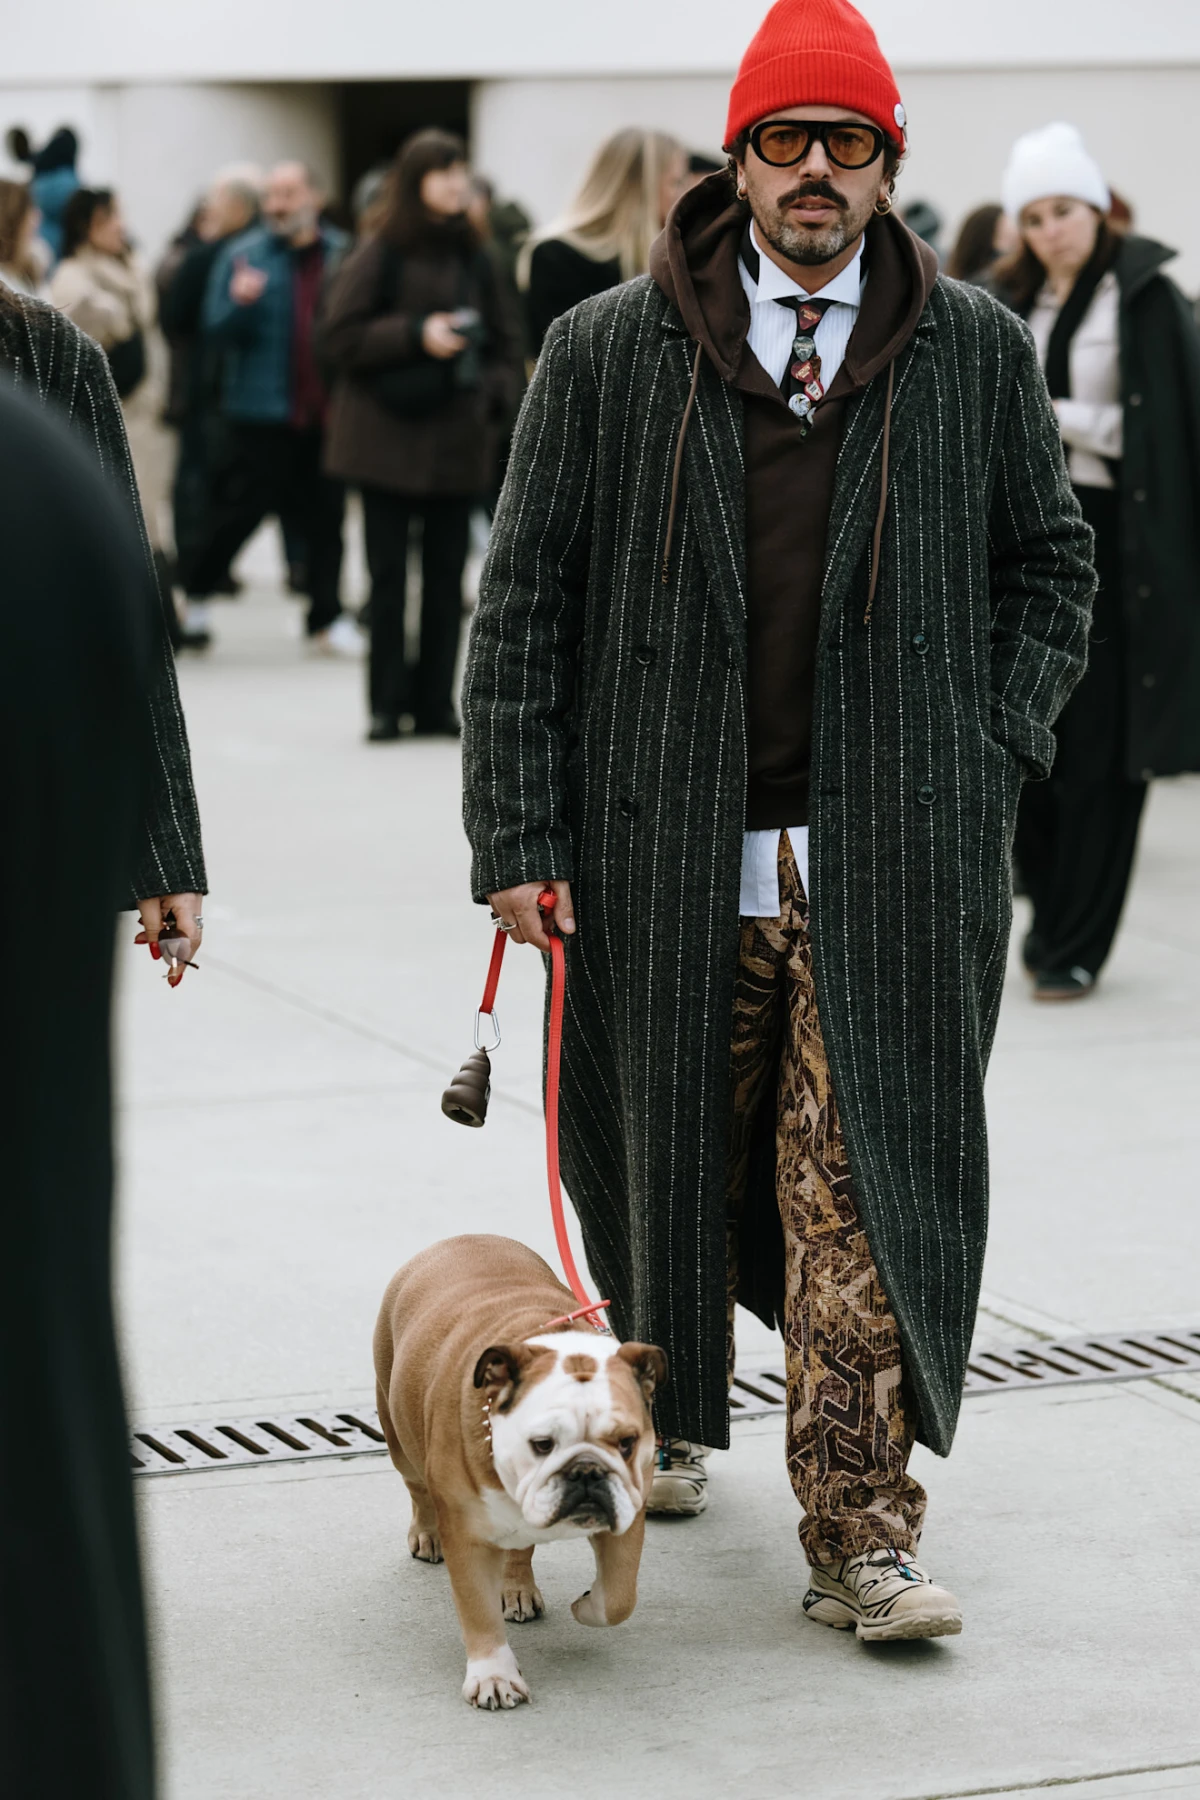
(900, 116)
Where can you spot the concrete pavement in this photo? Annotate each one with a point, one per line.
(283, 1152)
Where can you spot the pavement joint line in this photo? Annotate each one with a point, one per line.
(1056, 1781)
(1046, 1337)
(371, 1033)
(285, 1096)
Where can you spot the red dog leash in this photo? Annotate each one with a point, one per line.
(465, 1101)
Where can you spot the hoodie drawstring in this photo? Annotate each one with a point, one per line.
(687, 414)
(877, 536)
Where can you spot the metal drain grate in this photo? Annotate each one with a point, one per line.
(756, 1394)
(292, 1437)
(1069, 1361)
(1112, 1357)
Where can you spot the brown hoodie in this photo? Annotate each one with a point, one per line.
(789, 479)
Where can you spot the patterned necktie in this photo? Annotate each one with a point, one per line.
(802, 386)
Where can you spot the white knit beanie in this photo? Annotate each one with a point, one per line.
(1051, 161)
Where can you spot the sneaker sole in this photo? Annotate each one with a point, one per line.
(834, 1613)
(676, 1509)
(943, 1624)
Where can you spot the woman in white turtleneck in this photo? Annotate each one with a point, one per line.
(1121, 355)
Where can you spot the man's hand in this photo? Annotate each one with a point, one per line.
(247, 283)
(186, 911)
(519, 905)
(439, 338)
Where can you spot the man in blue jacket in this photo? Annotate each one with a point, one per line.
(259, 311)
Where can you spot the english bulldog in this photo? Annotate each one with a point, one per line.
(512, 1428)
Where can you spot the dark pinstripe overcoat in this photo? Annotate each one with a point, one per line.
(605, 742)
(46, 354)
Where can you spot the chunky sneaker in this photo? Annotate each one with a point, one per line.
(680, 1485)
(884, 1594)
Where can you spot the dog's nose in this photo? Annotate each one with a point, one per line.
(587, 1474)
(585, 1494)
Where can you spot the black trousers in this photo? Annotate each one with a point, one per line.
(426, 689)
(190, 493)
(1077, 832)
(276, 469)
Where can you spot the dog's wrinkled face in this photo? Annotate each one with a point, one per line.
(572, 1439)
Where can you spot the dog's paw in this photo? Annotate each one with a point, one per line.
(589, 1608)
(494, 1682)
(523, 1601)
(425, 1545)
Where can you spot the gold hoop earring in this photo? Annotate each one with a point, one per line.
(741, 193)
(883, 207)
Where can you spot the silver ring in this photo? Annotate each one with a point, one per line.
(507, 924)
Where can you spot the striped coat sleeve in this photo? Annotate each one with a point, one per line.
(1043, 582)
(50, 356)
(169, 857)
(521, 666)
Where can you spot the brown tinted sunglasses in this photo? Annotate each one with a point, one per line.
(847, 144)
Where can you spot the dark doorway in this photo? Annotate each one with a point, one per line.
(375, 117)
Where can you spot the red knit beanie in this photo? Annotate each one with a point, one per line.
(815, 53)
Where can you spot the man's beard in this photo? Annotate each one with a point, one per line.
(291, 225)
(810, 245)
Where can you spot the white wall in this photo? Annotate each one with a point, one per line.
(294, 40)
(159, 145)
(534, 137)
(1140, 125)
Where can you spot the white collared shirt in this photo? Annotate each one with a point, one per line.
(772, 329)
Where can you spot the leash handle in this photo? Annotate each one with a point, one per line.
(487, 1006)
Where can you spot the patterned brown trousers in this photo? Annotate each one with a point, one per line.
(849, 1432)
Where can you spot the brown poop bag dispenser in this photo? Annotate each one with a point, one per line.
(466, 1099)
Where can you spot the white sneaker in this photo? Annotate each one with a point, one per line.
(884, 1594)
(343, 638)
(680, 1485)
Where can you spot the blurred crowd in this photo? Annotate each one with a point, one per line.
(296, 353)
(302, 359)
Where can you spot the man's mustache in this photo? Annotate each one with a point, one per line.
(814, 190)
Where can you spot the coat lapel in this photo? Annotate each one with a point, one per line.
(856, 488)
(713, 487)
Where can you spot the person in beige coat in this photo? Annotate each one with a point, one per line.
(104, 286)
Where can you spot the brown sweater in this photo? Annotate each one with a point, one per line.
(789, 479)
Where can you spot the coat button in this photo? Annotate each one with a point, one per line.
(920, 643)
(1143, 591)
(926, 795)
(1147, 681)
(1139, 495)
(645, 654)
(1135, 399)
(627, 807)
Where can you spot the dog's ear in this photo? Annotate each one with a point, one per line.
(648, 1363)
(497, 1367)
